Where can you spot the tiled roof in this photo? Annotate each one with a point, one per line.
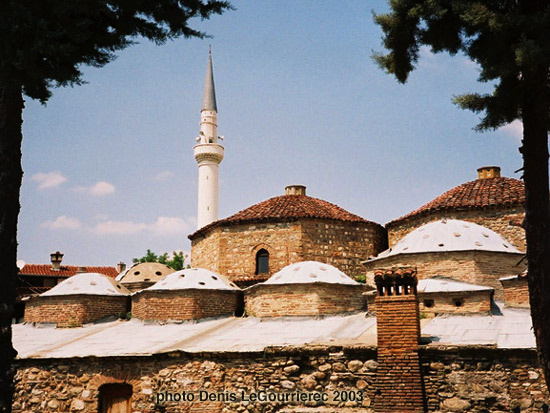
(479, 194)
(286, 208)
(64, 271)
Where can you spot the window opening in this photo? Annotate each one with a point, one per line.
(262, 262)
(115, 398)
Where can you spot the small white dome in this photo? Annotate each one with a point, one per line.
(310, 272)
(89, 283)
(194, 278)
(450, 235)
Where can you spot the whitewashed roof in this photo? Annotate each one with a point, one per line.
(90, 283)
(307, 272)
(450, 235)
(145, 271)
(447, 285)
(510, 329)
(194, 278)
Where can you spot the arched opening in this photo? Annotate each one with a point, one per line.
(262, 262)
(115, 398)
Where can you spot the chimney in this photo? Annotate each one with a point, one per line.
(81, 270)
(56, 258)
(295, 190)
(121, 267)
(399, 386)
(488, 172)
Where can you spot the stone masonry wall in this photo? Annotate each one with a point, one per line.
(74, 310)
(342, 244)
(303, 299)
(506, 222)
(205, 251)
(474, 267)
(516, 292)
(470, 302)
(477, 380)
(185, 305)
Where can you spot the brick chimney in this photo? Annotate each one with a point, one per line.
(56, 259)
(295, 190)
(399, 386)
(120, 267)
(488, 172)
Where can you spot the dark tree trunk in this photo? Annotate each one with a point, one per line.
(11, 108)
(537, 207)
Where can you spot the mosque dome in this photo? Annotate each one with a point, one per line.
(198, 278)
(307, 272)
(143, 275)
(88, 284)
(450, 235)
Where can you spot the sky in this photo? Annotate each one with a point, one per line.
(109, 167)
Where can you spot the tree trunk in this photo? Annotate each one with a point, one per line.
(11, 108)
(537, 207)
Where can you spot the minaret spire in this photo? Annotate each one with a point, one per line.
(208, 152)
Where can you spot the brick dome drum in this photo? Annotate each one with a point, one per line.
(190, 294)
(305, 289)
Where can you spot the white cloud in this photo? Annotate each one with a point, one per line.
(164, 176)
(118, 227)
(169, 226)
(62, 222)
(514, 129)
(48, 179)
(100, 188)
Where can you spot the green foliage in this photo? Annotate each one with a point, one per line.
(508, 39)
(44, 43)
(176, 260)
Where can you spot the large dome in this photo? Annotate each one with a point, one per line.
(89, 284)
(484, 193)
(306, 272)
(450, 235)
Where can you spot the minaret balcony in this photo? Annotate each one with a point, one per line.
(208, 152)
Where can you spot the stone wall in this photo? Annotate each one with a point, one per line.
(315, 299)
(516, 292)
(474, 267)
(506, 222)
(192, 304)
(74, 310)
(473, 379)
(342, 244)
(231, 250)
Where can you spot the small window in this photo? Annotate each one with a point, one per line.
(115, 398)
(428, 303)
(458, 302)
(262, 262)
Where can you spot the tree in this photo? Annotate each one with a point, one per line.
(43, 44)
(509, 41)
(176, 261)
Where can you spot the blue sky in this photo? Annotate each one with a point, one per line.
(109, 168)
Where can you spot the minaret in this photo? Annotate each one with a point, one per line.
(208, 153)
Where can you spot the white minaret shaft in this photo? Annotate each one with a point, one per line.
(208, 153)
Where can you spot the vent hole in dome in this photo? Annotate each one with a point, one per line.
(215, 278)
(164, 283)
(182, 275)
(441, 245)
(505, 246)
(201, 283)
(457, 234)
(76, 288)
(313, 275)
(466, 226)
(136, 272)
(111, 290)
(405, 249)
(118, 286)
(323, 268)
(485, 234)
(425, 236)
(93, 283)
(158, 273)
(69, 282)
(146, 279)
(232, 285)
(479, 244)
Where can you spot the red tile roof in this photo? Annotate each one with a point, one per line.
(286, 208)
(479, 194)
(64, 271)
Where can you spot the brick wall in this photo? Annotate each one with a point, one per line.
(231, 250)
(303, 299)
(474, 267)
(506, 222)
(74, 310)
(469, 302)
(190, 304)
(399, 383)
(516, 292)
